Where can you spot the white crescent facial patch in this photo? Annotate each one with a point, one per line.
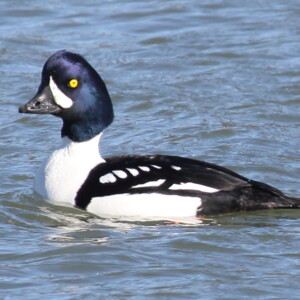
(59, 97)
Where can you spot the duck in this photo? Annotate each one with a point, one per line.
(142, 186)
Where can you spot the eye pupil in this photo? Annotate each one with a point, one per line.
(73, 83)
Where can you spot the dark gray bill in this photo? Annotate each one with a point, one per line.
(42, 103)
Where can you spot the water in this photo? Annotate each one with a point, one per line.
(213, 80)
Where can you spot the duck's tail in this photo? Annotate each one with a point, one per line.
(255, 196)
(271, 197)
(290, 202)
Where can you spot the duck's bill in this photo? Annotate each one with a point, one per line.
(42, 103)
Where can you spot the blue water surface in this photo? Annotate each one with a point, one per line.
(213, 80)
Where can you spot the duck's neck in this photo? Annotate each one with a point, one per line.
(66, 169)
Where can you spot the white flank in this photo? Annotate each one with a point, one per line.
(193, 186)
(145, 206)
(150, 183)
(60, 98)
(62, 174)
(108, 178)
(133, 172)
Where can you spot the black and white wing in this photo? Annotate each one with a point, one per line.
(221, 190)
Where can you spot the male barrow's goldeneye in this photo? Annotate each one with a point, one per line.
(137, 185)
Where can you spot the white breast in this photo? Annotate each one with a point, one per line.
(62, 174)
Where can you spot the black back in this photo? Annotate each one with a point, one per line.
(234, 191)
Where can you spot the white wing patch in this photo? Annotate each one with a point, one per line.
(156, 167)
(193, 186)
(108, 178)
(120, 173)
(150, 183)
(60, 98)
(176, 168)
(133, 172)
(144, 168)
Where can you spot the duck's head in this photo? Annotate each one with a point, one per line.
(72, 90)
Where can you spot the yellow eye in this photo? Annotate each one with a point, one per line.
(73, 83)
